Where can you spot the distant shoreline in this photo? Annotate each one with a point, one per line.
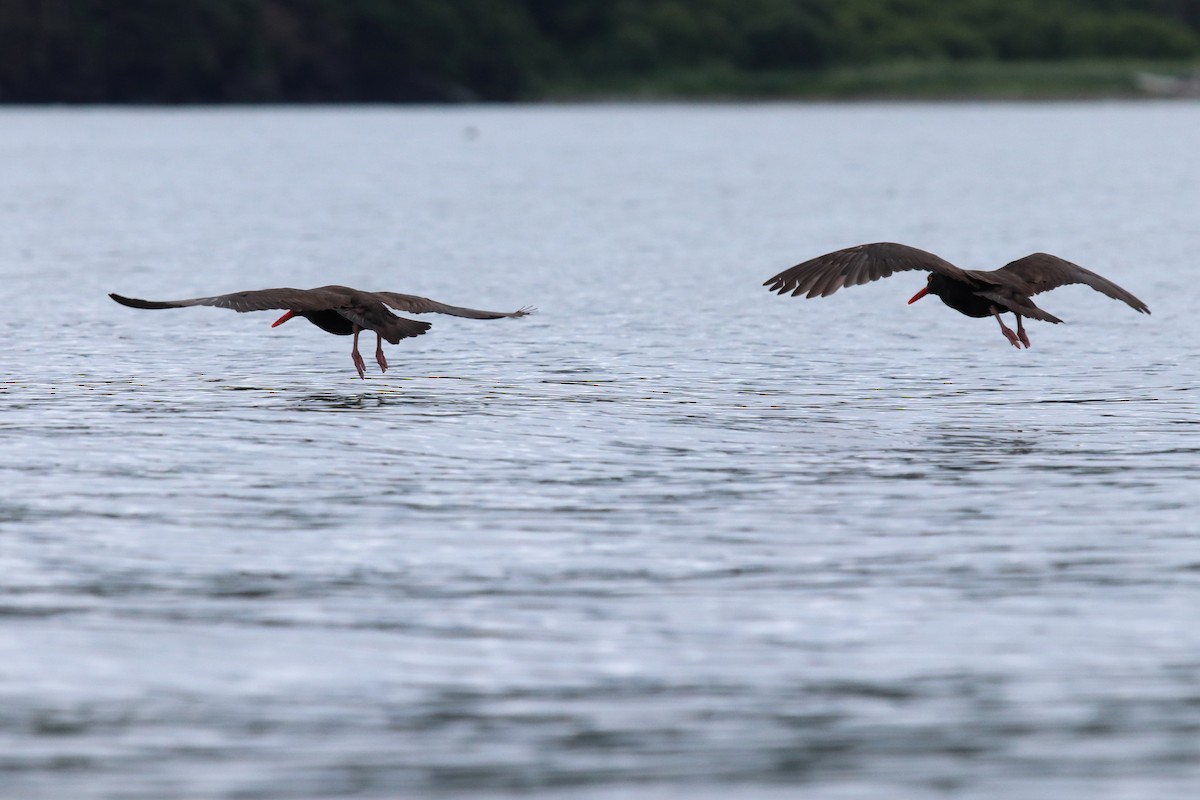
(933, 81)
(905, 81)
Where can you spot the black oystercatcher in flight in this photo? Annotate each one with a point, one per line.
(976, 293)
(338, 310)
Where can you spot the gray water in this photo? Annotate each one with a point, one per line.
(673, 536)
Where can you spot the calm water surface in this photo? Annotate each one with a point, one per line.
(671, 537)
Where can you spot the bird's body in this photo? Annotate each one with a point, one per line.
(975, 293)
(329, 321)
(339, 310)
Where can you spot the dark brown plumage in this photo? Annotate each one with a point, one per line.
(976, 293)
(339, 310)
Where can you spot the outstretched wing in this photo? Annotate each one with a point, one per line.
(413, 304)
(1042, 272)
(363, 309)
(261, 300)
(824, 275)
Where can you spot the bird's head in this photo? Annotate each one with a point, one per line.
(929, 287)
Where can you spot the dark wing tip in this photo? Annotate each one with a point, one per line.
(1117, 293)
(524, 311)
(132, 302)
(778, 283)
(1138, 306)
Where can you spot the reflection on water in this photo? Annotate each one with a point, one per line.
(338, 402)
(672, 536)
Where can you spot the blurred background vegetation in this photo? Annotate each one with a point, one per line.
(206, 51)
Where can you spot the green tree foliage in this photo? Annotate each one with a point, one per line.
(405, 50)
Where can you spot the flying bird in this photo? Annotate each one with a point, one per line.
(339, 310)
(976, 293)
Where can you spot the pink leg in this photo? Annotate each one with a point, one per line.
(1008, 333)
(1021, 331)
(357, 358)
(379, 353)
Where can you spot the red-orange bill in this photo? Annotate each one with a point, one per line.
(291, 314)
(911, 300)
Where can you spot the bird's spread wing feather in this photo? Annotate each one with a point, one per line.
(413, 304)
(824, 275)
(262, 300)
(1042, 272)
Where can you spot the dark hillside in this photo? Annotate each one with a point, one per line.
(206, 51)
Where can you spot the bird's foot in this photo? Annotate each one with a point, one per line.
(379, 359)
(359, 364)
(1012, 337)
(1024, 338)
